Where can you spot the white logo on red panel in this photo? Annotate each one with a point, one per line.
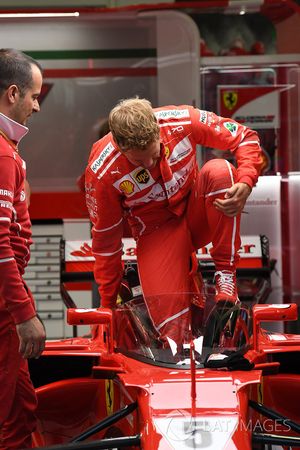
(107, 151)
(172, 114)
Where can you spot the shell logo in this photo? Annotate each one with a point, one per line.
(127, 187)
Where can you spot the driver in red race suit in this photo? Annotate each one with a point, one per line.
(146, 170)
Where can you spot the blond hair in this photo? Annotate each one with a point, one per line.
(133, 124)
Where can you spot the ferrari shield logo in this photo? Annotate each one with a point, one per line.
(230, 99)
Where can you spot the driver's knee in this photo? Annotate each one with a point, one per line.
(217, 174)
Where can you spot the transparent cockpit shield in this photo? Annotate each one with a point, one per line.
(213, 328)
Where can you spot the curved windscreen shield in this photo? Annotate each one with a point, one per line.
(165, 337)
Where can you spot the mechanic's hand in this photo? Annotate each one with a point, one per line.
(32, 338)
(234, 201)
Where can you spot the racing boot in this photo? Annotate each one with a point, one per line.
(222, 320)
(226, 289)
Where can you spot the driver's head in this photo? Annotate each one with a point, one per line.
(135, 129)
(133, 124)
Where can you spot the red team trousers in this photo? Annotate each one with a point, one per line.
(17, 397)
(164, 255)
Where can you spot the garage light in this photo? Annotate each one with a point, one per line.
(37, 15)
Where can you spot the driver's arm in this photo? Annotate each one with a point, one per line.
(225, 134)
(107, 232)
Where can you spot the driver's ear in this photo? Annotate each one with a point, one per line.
(13, 93)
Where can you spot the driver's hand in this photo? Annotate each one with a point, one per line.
(234, 200)
(32, 338)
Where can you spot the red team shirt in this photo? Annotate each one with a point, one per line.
(15, 226)
(116, 188)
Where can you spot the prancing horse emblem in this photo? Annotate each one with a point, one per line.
(230, 99)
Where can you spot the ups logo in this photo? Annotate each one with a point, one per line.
(142, 176)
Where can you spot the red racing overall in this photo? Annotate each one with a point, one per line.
(169, 208)
(17, 396)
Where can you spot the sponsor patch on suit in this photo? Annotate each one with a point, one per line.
(172, 114)
(180, 151)
(106, 152)
(137, 180)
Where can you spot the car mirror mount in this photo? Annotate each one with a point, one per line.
(271, 313)
(92, 316)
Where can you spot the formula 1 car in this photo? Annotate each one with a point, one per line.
(229, 384)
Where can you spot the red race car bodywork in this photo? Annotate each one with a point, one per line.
(233, 385)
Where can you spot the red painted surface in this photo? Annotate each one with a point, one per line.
(106, 72)
(57, 205)
(68, 407)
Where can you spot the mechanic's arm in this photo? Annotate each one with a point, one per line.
(32, 337)
(18, 302)
(226, 134)
(107, 232)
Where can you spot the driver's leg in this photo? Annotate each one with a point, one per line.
(207, 224)
(163, 261)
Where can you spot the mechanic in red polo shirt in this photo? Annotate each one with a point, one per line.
(22, 335)
(146, 170)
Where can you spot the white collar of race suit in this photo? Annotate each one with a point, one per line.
(13, 130)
